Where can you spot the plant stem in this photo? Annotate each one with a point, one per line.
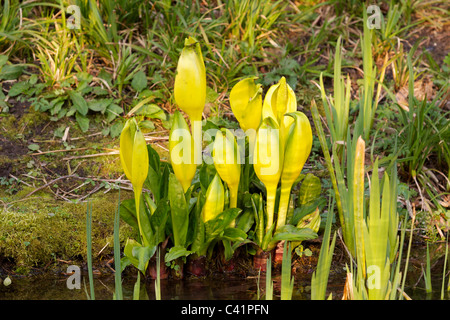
(284, 204)
(271, 195)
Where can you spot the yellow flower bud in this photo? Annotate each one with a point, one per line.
(215, 199)
(279, 100)
(181, 151)
(134, 159)
(268, 161)
(246, 103)
(226, 159)
(190, 80)
(133, 154)
(297, 149)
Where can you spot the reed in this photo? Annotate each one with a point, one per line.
(89, 249)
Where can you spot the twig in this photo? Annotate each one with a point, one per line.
(47, 184)
(92, 155)
(55, 151)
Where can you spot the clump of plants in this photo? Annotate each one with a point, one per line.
(240, 194)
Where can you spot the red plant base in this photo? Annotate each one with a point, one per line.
(278, 254)
(197, 266)
(260, 260)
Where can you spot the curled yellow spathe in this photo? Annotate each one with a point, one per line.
(133, 154)
(215, 199)
(181, 151)
(134, 158)
(279, 100)
(296, 151)
(190, 80)
(246, 103)
(227, 162)
(268, 162)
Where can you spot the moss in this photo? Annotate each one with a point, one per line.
(36, 233)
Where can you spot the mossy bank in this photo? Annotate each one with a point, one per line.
(41, 233)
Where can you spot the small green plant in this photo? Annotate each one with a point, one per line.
(287, 281)
(319, 280)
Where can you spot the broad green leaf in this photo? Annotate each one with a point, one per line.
(178, 210)
(3, 59)
(158, 221)
(82, 121)
(79, 102)
(11, 71)
(147, 124)
(292, 233)
(143, 255)
(176, 252)
(18, 88)
(139, 81)
(128, 213)
(245, 221)
(116, 129)
(153, 181)
(309, 190)
(128, 251)
(99, 105)
(152, 111)
(217, 225)
(234, 234)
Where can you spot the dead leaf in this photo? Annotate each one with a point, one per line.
(423, 88)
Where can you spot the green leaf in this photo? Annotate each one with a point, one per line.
(3, 59)
(234, 234)
(176, 252)
(152, 111)
(309, 190)
(82, 121)
(147, 124)
(143, 255)
(154, 173)
(178, 210)
(291, 233)
(128, 213)
(139, 81)
(116, 129)
(18, 88)
(128, 251)
(33, 147)
(215, 227)
(211, 95)
(246, 220)
(79, 102)
(11, 71)
(158, 221)
(113, 111)
(99, 105)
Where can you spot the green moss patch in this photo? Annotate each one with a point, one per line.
(40, 231)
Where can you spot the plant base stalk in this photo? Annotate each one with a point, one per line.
(196, 265)
(260, 260)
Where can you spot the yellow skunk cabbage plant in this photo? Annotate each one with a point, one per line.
(227, 162)
(280, 100)
(190, 89)
(246, 103)
(181, 149)
(268, 160)
(134, 159)
(215, 198)
(190, 80)
(297, 149)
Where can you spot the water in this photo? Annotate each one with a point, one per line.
(46, 287)
(52, 287)
(219, 287)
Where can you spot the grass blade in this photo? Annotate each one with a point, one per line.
(89, 248)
